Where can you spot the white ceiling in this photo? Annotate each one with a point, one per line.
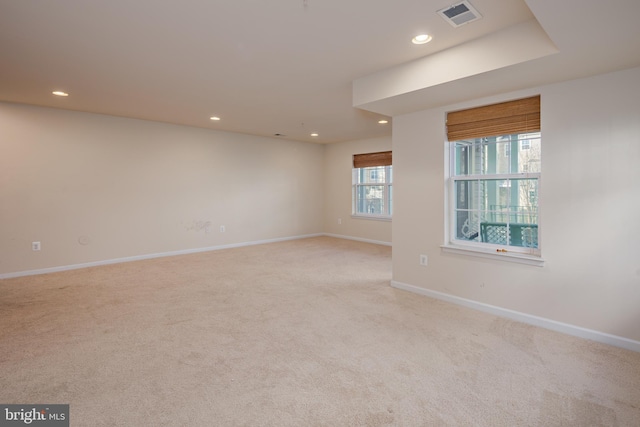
(285, 66)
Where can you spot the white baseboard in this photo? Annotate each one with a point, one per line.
(358, 239)
(565, 328)
(149, 256)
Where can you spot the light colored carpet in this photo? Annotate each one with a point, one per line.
(298, 333)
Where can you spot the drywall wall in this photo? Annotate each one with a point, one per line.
(338, 164)
(92, 187)
(590, 204)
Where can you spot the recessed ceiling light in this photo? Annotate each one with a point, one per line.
(314, 134)
(383, 121)
(421, 39)
(214, 118)
(59, 93)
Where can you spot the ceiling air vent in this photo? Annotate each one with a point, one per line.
(459, 14)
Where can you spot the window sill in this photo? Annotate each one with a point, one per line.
(371, 217)
(501, 256)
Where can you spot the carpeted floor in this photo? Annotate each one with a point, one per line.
(298, 333)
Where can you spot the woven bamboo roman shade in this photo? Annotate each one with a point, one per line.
(372, 159)
(522, 115)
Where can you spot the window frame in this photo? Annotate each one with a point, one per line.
(525, 255)
(387, 195)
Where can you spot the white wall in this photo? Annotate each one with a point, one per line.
(93, 187)
(338, 164)
(590, 210)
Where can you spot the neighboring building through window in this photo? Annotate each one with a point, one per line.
(494, 180)
(372, 191)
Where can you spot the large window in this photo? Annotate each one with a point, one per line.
(494, 180)
(372, 191)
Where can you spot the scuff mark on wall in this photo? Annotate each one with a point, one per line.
(198, 226)
(84, 240)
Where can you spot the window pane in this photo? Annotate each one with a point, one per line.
(525, 196)
(498, 155)
(461, 159)
(468, 194)
(369, 199)
(529, 153)
(499, 233)
(372, 175)
(508, 200)
(525, 235)
(493, 232)
(495, 198)
(497, 211)
(390, 199)
(468, 157)
(466, 226)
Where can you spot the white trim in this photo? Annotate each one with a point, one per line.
(516, 257)
(553, 325)
(358, 239)
(529, 256)
(150, 256)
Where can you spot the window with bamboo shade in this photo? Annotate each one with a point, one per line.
(372, 185)
(494, 183)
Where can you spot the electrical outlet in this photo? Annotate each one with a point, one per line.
(423, 260)
(223, 229)
(35, 246)
(339, 221)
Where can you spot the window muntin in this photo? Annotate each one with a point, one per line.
(372, 191)
(494, 189)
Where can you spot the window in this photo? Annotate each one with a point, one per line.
(494, 180)
(372, 178)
